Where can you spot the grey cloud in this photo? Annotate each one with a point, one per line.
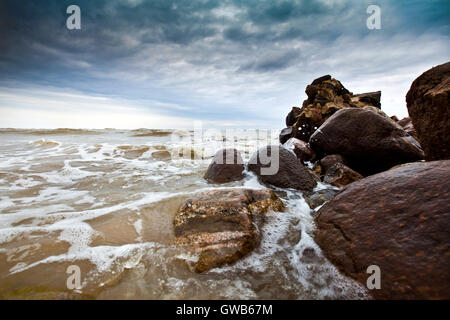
(272, 63)
(183, 52)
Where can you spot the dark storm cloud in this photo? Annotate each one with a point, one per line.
(273, 63)
(205, 54)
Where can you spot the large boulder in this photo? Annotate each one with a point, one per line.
(369, 141)
(398, 220)
(226, 166)
(428, 102)
(301, 149)
(326, 95)
(223, 225)
(277, 166)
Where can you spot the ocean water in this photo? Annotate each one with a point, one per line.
(104, 201)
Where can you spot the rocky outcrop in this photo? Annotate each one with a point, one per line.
(340, 175)
(398, 220)
(370, 142)
(223, 225)
(292, 116)
(326, 95)
(301, 149)
(226, 166)
(277, 166)
(367, 99)
(428, 102)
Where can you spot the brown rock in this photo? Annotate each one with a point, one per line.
(330, 160)
(370, 142)
(428, 102)
(223, 225)
(315, 199)
(340, 175)
(398, 220)
(367, 99)
(132, 152)
(292, 116)
(276, 165)
(301, 149)
(407, 125)
(161, 155)
(325, 96)
(226, 166)
(285, 134)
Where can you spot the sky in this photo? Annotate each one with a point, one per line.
(227, 63)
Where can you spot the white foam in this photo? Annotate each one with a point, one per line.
(138, 226)
(5, 202)
(142, 181)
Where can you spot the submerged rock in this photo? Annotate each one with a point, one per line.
(370, 142)
(277, 166)
(226, 166)
(223, 225)
(318, 198)
(428, 102)
(161, 155)
(398, 220)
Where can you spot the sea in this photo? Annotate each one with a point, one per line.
(88, 214)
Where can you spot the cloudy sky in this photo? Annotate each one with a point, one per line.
(228, 63)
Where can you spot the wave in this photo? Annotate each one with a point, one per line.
(44, 143)
(59, 131)
(131, 151)
(150, 132)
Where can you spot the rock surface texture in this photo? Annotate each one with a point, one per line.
(398, 220)
(223, 225)
(370, 142)
(428, 102)
(326, 95)
(407, 125)
(226, 166)
(277, 166)
(340, 175)
(301, 149)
